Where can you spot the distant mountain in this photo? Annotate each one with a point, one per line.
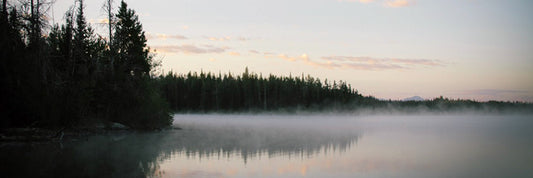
(414, 98)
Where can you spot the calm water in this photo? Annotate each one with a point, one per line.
(292, 146)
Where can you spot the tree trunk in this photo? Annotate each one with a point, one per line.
(32, 21)
(4, 9)
(110, 28)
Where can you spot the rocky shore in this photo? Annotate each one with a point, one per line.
(57, 135)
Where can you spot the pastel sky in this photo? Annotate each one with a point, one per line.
(471, 49)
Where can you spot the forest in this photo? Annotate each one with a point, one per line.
(66, 75)
(204, 92)
(251, 92)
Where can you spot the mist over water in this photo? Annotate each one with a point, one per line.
(398, 146)
(300, 145)
(267, 134)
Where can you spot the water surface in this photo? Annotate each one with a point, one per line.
(293, 146)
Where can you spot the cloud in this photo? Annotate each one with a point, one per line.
(190, 49)
(330, 65)
(160, 36)
(303, 58)
(386, 3)
(286, 57)
(426, 62)
(398, 3)
(370, 63)
(243, 39)
(234, 53)
(361, 1)
(359, 63)
(227, 38)
(253, 52)
(270, 55)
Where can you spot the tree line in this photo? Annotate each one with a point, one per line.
(252, 92)
(444, 105)
(70, 75)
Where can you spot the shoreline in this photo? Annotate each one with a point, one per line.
(42, 135)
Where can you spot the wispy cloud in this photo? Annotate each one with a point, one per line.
(233, 53)
(189, 49)
(288, 58)
(227, 38)
(371, 63)
(160, 36)
(386, 3)
(424, 62)
(269, 54)
(253, 51)
(243, 39)
(398, 3)
(359, 63)
(361, 1)
(302, 58)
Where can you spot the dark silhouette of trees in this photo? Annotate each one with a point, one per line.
(136, 99)
(108, 7)
(250, 91)
(207, 92)
(67, 78)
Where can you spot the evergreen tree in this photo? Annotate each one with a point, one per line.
(6, 54)
(136, 99)
(130, 44)
(62, 79)
(108, 7)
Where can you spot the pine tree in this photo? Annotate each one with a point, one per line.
(108, 7)
(137, 101)
(130, 44)
(82, 43)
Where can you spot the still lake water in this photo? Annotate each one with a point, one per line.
(292, 146)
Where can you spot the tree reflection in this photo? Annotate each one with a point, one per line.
(249, 143)
(140, 154)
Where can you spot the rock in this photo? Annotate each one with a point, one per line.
(118, 126)
(100, 126)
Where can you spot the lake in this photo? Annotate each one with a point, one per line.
(300, 145)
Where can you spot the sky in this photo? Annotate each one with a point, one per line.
(390, 49)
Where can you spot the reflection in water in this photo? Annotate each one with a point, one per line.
(140, 154)
(253, 137)
(118, 155)
(292, 146)
(249, 144)
(244, 145)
